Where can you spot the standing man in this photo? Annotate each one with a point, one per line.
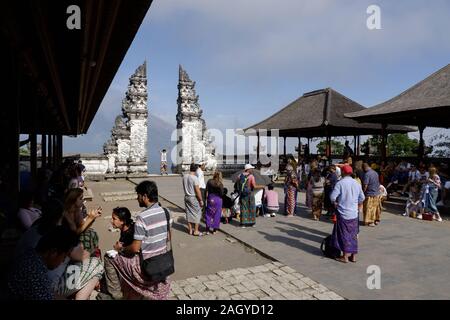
(201, 180)
(193, 200)
(371, 188)
(163, 166)
(348, 152)
(348, 198)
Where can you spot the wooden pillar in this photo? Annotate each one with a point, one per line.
(299, 147)
(383, 142)
(43, 151)
(50, 151)
(258, 144)
(59, 139)
(284, 146)
(358, 147)
(421, 151)
(33, 160)
(328, 147)
(354, 145)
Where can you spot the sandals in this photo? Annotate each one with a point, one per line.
(341, 259)
(200, 234)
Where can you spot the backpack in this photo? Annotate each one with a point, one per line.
(328, 250)
(242, 187)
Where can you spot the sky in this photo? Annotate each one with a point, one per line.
(251, 58)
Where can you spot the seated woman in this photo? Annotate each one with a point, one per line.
(413, 203)
(120, 219)
(63, 280)
(73, 218)
(271, 204)
(27, 214)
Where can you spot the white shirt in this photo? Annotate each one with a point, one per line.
(201, 178)
(28, 216)
(164, 156)
(258, 197)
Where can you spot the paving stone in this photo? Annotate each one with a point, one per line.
(259, 293)
(281, 279)
(278, 288)
(193, 280)
(278, 272)
(212, 286)
(278, 297)
(322, 296)
(183, 283)
(287, 269)
(270, 266)
(183, 297)
(231, 240)
(265, 275)
(310, 291)
(249, 296)
(203, 278)
(178, 291)
(233, 280)
(253, 270)
(288, 277)
(288, 286)
(221, 294)
(335, 296)
(230, 289)
(189, 290)
(297, 275)
(289, 296)
(224, 274)
(251, 276)
(320, 288)
(270, 292)
(240, 288)
(171, 294)
(309, 281)
(197, 296)
(261, 283)
(200, 288)
(236, 297)
(241, 278)
(266, 298)
(214, 277)
(299, 284)
(303, 296)
(249, 285)
(209, 295)
(222, 283)
(277, 264)
(262, 269)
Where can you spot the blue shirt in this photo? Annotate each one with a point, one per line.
(373, 183)
(348, 194)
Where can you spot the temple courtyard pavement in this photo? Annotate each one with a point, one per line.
(280, 257)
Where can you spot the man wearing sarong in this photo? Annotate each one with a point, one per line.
(193, 201)
(348, 198)
(247, 200)
(371, 188)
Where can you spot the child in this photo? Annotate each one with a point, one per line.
(227, 205)
(271, 202)
(236, 208)
(413, 203)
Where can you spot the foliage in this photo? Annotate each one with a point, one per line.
(441, 145)
(398, 145)
(336, 147)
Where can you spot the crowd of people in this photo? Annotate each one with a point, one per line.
(58, 255)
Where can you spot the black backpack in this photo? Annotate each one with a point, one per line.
(328, 250)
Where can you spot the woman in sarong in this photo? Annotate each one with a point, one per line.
(213, 213)
(290, 190)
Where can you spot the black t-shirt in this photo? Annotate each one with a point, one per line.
(127, 237)
(214, 188)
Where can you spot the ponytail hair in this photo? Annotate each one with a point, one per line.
(124, 215)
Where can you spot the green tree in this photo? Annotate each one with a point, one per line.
(336, 147)
(398, 145)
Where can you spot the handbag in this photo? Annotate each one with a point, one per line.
(159, 267)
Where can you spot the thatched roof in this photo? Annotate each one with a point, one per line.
(427, 104)
(319, 113)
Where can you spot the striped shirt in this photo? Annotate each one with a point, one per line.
(151, 228)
